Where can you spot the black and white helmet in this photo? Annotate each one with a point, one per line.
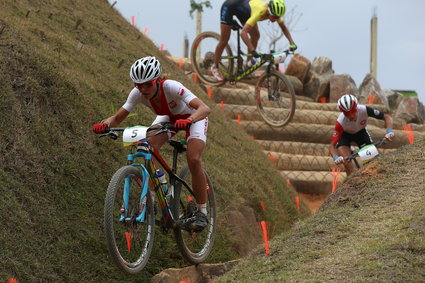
(347, 102)
(145, 69)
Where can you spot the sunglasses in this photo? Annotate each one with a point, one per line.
(351, 112)
(145, 85)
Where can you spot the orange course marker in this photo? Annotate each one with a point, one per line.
(180, 63)
(145, 31)
(238, 121)
(210, 92)
(409, 133)
(265, 236)
(13, 280)
(272, 158)
(371, 98)
(288, 181)
(335, 176)
(322, 100)
(195, 78)
(132, 20)
(128, 236)
(297, 203)
(222, 105)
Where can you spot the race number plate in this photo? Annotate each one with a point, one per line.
(134, 134)
(368, 152)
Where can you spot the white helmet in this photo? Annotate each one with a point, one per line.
(145, 69)
(347, 102)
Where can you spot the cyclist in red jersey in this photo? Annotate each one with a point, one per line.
(174, 103)
(350, 127)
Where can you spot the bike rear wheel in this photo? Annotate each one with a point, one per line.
(129, 241)
(275, 98)
(195, 247)
(202, 58)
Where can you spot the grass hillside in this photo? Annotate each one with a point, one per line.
(372, 229)
(64, 66)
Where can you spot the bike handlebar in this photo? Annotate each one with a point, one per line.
(355, 154)
(164, 127)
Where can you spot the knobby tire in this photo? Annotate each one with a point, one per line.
(275, 98)
(128, 262)
(201, 66)
(195, 248)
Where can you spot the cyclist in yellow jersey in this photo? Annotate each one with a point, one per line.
(260, 11)
(248, 13)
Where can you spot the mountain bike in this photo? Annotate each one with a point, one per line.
(130, 213)
(274, 92)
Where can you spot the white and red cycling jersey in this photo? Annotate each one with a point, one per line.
(175, 99)
(343, 124)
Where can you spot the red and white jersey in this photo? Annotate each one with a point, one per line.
(175, 99)
(343, 124)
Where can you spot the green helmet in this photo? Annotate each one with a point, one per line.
(277, 8)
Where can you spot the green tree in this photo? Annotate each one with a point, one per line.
(199, 7)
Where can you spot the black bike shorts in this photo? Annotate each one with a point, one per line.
(238, 8)
(361, 138)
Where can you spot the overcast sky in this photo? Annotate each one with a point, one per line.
(337, 29)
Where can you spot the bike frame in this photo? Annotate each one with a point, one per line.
(240, 74)
(148, 170)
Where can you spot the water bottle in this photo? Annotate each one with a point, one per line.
(279, 57)
(162, 180)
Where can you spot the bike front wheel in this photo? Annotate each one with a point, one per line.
(129, 235)
(194, 246)
(275, 97)
(202, 58)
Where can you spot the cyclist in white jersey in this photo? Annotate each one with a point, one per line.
(350, 127)
(174, 103)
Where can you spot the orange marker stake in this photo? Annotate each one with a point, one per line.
(13, 280)
(288, 181)
(195, 78)
(161, 47)
(409, 133)
(297, 203)
(180, 63)
(128, 237)
(210, 92)
(238, 121)
(322, 100)
(335, 176)
(145, 31)
(272, 158)
(371, 98)
(265, 236)
(222, 105)
(132, 20)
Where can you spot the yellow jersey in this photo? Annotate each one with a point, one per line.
(258, 12)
